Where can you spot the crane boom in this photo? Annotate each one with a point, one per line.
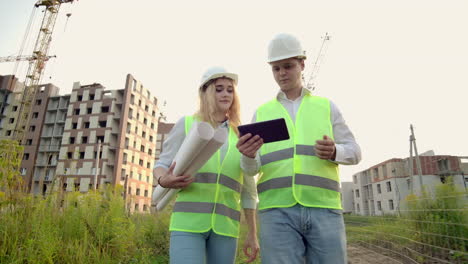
(311, 84)
(23, 58)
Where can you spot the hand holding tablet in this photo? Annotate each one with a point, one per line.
(270, 131)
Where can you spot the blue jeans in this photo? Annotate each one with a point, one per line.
(201, 248)
(301, 234)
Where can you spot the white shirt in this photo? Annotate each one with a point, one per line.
(172, 144)
(348, 151)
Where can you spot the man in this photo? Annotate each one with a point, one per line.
(299, 195)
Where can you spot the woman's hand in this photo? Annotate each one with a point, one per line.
(251, 246)
(169, 180)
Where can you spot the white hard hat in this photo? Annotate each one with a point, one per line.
(215, 73)
(285, 46)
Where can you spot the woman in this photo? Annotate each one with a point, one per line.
(206, 216)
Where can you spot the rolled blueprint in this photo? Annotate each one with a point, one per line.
(220, 136)
(196, 140)
(199, 136)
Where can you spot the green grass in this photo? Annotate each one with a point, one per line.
(96, 228)
(82, 228)
(433, 225)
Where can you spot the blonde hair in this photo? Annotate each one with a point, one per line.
(207, 106)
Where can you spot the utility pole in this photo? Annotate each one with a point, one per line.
(125, 191)
(96, 175)
(411, 170)
(418, 163)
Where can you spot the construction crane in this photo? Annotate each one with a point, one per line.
(37, 63)
(23, 58)
(311, 84)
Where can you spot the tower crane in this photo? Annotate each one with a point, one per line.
(311, 83)
(37, 63)
(23, 58)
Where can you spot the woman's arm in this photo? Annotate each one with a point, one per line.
(171, 145)
(167, 179)
(163, 171)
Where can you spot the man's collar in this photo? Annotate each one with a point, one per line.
(282, 96)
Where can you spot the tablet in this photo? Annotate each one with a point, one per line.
(270, 131)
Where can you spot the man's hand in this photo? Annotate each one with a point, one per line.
(169, 180)
(325, 149)
(248, 145)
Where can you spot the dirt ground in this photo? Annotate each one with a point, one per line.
(361, 255)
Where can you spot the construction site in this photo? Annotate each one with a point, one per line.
(96, 137)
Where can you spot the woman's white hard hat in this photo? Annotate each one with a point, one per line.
(285, 46)
(215, 73)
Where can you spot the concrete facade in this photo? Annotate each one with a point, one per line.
(136, 155)
(61, 146)
(347, 197)
(381, 189)
(49, 144)
(125, 122)
(10, 98)
(34, 130)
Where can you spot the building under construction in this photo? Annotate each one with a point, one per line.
(381, 189)
(86, 139)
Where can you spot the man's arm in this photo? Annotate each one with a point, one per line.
(346, 149)
(249, 146)
(251, 246)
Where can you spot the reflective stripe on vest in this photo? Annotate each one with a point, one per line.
(290, 170)
(212, 201)
(206, 208)
(300, 179)
(287, 154)
(208, 177)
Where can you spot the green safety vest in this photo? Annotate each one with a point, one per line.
(290, 171)
(213, 200)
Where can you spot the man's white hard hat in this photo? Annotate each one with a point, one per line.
(285, 46)
(215, 73)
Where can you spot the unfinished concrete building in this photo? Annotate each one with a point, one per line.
(382, 188)
(86, 139)
(124, 124)
(11, 95)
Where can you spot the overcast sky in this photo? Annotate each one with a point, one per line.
(388, 63)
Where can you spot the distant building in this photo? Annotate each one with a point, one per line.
(347, 196)
(50, 143)
(125, 122)
(10, 100)
(10, 96)
(63, 133)
(34, 129)
(381, 188)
